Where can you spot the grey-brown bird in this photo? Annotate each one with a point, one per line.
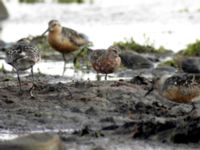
(105, 61)
(22, 56)
(65, 40)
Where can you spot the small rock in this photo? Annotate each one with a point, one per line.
(91, 111)
(191, 65)
(140, 80)
(134, 61)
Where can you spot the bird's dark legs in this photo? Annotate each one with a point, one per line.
(106, 76)
(64, 68)
(32, 76)
(19, 81)
(33, 82)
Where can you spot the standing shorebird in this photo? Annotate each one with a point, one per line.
(65, 40)
(105, 61)
(22, 56)
(182, 88)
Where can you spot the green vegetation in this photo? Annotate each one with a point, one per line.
(30, 1)
(70, 1)
(81, 59)
(132, 45)
(171, 63)
(192, 49)
(59, 1)
(184, 10)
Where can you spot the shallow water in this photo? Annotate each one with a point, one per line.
(56, 68)
(172, 24)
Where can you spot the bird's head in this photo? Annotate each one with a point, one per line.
(114, 49)
(54, 25)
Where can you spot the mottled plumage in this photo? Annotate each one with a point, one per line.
(181, 88)
(22, 56)
(105, 61)
(65, 40)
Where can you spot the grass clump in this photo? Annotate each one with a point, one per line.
(59, 1)
(30, 1)
(192, 49)
(132, 45)
(171, 63)
(70, 1)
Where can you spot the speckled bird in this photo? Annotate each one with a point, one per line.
(65, 40)
(105, 61)
(180, 88)
(22, 56)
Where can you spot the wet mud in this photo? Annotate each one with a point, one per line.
(85, 111)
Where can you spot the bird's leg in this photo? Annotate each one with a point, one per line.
(19, 81)
(106, 76)
(32, 76)
(64, 68)
(31, 89)
(98, 77)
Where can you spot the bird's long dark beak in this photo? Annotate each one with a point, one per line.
(45, 32)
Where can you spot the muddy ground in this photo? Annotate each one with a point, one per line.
(101, 115)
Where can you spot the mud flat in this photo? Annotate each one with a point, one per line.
(101, 115)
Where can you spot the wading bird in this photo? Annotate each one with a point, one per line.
(22, 56)
(65, 40)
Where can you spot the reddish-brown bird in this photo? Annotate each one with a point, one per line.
(105, 61)
(65, 40)
(182, 88)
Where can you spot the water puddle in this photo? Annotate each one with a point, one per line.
(9, 135)
(56, 68)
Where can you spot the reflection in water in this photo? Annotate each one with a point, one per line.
(56, 68)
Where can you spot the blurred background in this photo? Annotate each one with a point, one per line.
(172, 23)
(164, 25)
